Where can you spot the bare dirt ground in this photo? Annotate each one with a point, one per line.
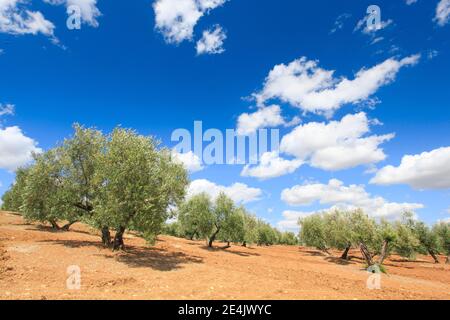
(34, 262)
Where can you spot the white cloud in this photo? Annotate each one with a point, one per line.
(271, 166)
(239, 192)
(265, 117)
(17, 20)
(211, 41)
(6, 109)
(190, 160)
(88, 8)
(290, 220)
(410, 2)
(338, 195)
(428, 170)
(304, 85)
(176, 19)
(443, 12)
(15, 148)
(335, 145)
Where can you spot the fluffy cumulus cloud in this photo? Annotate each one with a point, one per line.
(239, 192)
(176, 19)
(303, 84)
(271, 165)
(265, 117)
(190, 160)
(16, 19)
(336, 194)
(290, 220)
(211, 41)
(428, 170)
(336, 145)
(88, 9)
(443, 12)
(15, 148)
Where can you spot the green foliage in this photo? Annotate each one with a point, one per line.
(233, 228)
(196, 217)
(288, 239)
(266, 235)
(13, 198)
(442, 232)
(313, 231)
(139, 184)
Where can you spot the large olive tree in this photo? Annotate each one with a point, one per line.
(140, 184)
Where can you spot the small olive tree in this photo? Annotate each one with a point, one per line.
(442, 231)
(196, 217)
(13, 198)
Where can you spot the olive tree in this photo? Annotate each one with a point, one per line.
(13, 198)
(196, 217)
(223, 209)
(48, 195)
(442, 231)
(139, 184)
(313, 232)
(250, 229)
(233, 229)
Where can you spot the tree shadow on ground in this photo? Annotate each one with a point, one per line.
(155, 258)
(226, 250)
(314, 253)
(37, 228)
(339, 261)
(76, 243)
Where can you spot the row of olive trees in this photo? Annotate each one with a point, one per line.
(113, 182)
(343, 230)
(202, 218)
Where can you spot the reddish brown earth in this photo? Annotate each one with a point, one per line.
(34, 261)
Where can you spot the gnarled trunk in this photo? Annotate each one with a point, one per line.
(244, 244)
(366, 254)
(54, 225)
(431, 252)
(213, 238)
(345, 253)
(118, 240)
(384, 251)
(67, 226)
(448, 260)
(106, 237)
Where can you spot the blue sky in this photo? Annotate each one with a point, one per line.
(133, 64)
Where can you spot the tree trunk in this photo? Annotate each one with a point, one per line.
(213, 238)
(54, 225)
(228, 244)
(67, 226)
(366, 254)
(345, 254)
(118, 240)
(244, 244)
(431, 252)
(448, 259)
(384, 251)
(106, 237)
